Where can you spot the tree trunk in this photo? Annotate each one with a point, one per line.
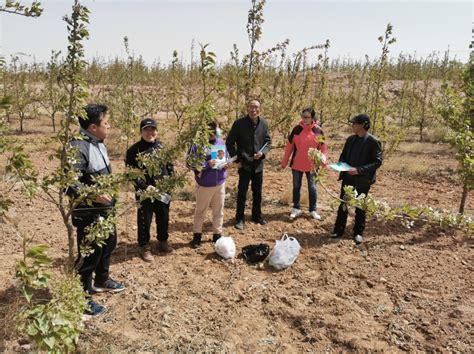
(70, 239)
(463, 198)
(54, 123)
(70, 230)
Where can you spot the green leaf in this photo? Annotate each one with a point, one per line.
(50, 341)
(32, 331)
(28, 293)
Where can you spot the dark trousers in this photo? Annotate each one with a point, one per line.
(297, 179)
(144, 216)
(341, 220)
(244, 179)
(99, 260)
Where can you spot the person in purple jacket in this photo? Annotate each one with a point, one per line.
(210, 185)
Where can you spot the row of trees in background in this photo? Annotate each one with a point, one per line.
(400, 95)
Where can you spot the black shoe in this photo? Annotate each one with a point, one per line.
(196, 242)
(215, 237)
(164, 247)
(109, 285)
(94, 309)
(259, 221)
(239, 225)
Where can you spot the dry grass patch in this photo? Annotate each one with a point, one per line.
(425, 148)
(437, 134)
(187, 193)
(287, 197)
(406, 165)
(416, 169)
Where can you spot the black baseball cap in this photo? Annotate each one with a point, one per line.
(147, 122)
(360, 119)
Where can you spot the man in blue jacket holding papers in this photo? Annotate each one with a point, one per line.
(363, 153)
(249, 141)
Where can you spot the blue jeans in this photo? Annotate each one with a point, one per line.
(297, 178)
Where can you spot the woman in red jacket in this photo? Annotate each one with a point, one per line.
(307, 134)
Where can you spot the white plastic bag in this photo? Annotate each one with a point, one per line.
(284, 253)
(225, 247)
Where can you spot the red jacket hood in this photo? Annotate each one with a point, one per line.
(307, 126)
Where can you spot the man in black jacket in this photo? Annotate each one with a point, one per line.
(250, 141)
(149, 144)
(363, 152)
(92, 160)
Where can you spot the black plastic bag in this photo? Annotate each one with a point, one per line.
(255, 253)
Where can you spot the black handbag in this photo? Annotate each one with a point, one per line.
(255, 253)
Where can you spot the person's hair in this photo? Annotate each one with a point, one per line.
(366, 125)
(253, 99)
(365, 120)
(95, 113)
(311, 111)
(213, 125)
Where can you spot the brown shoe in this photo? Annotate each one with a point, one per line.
(145, 253)
(164, 247)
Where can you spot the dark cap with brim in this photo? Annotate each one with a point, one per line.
(147, 122)
(360, 119)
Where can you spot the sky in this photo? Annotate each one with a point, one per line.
(156, 28)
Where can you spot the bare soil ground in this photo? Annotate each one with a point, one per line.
(401, 290)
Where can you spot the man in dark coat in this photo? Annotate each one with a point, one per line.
(363, 152)
(250, 141)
